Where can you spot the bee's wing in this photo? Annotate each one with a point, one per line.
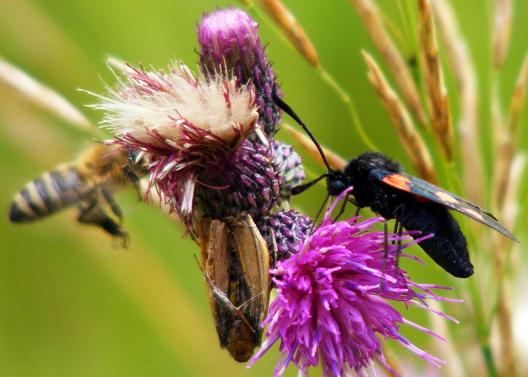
(424, 189)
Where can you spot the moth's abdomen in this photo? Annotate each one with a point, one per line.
(49, 193)
(448, 246)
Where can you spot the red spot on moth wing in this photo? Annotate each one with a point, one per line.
(421, 199)
(398, 181)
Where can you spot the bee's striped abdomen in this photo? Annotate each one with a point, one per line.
(47, 194)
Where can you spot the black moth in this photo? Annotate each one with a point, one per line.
(379, 183)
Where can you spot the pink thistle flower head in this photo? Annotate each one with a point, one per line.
(185, 124)
(229, 40)
(334, 300)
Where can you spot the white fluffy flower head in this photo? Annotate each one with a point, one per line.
(147, 105)
(186, 124)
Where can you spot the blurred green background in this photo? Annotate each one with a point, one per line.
(71, 304)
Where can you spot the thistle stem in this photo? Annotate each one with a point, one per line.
(488, 358)
(482, 330)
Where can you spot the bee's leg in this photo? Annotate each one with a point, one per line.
(93, 214)
(113, 205)
(136, 181)
(221, 297)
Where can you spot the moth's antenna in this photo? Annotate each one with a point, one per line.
(288, 110)
(301, 188)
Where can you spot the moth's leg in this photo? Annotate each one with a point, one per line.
(221, 297)
(399, 243)
(321, 208)
(399, 232)
(343, 206)
(385, 251)
(395, 230)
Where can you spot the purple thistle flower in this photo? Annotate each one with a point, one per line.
(229, 40)
(334, 300)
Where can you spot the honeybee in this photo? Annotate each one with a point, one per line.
(87, 183)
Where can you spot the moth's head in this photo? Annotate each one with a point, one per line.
(336, 182)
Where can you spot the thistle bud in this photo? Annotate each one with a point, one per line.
(290, 229)
(248, 181)
(229, 40)
(289, 164)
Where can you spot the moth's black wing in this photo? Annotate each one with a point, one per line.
(426, 190)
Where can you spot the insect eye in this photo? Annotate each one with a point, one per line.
(336, 186)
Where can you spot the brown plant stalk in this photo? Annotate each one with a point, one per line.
(461, 64)
(508, 170)
(434, 81)
(41, 95)
(292, 29)
(372, 19)
(336, 162)
(501, 31)
(411, 140)
(509, 214)
(508, 134)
